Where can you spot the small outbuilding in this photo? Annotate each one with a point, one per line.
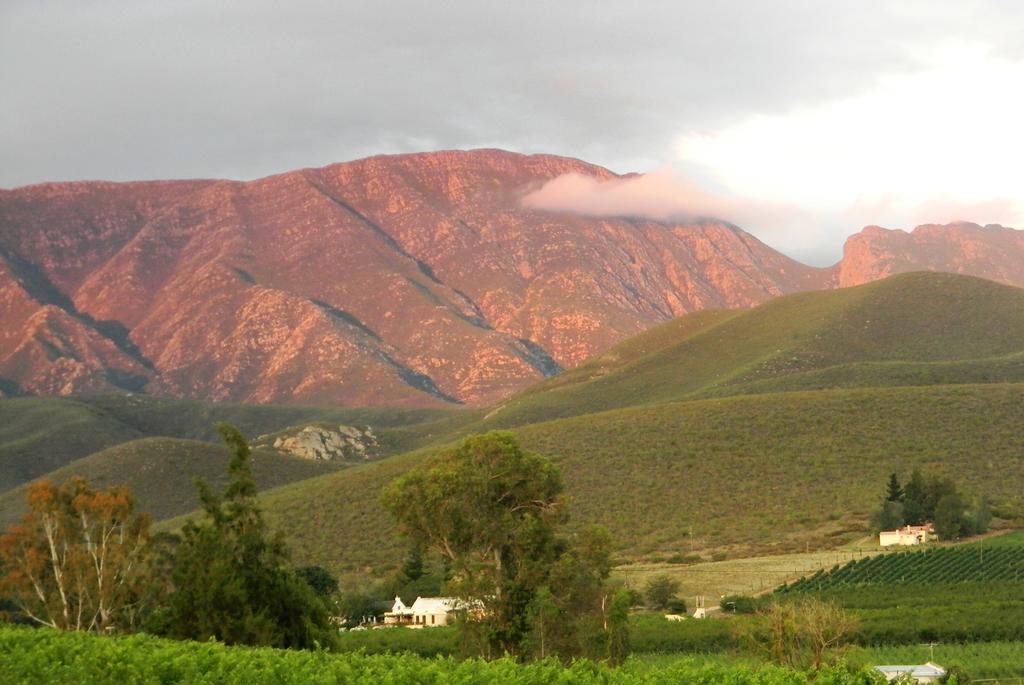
(923, 673)
(907, 535)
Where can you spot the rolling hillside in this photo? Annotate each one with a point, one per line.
(161, 473)
(41, 434)
(738, 432)
(742, 475)
(913, 329)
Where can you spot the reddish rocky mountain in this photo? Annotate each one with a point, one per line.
(408, 279)
(993, 252)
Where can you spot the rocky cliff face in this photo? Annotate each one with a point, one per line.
(415, 280)
(409, 280)
(993, 252)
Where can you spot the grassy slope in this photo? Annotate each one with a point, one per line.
(41, 434)
(755, 474)
(160, 471)
(195, 420)
(912, 329)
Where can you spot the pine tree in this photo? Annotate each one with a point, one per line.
(230, 574)
(894, 492)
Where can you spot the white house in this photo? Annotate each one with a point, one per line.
(923, 673)
(424, 612)
(907, 535)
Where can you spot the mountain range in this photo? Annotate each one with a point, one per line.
(408, 280)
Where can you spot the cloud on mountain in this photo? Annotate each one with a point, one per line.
(660, 195)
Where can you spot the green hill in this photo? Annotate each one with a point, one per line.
(41, 434)
(911, 329)
(160, 471)
(742, 475)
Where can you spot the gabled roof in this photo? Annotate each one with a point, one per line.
(915, 670)
(433, 605)
(399, 608)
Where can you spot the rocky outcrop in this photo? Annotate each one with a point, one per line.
(347, 443)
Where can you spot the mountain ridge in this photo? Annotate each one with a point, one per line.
(413, 280)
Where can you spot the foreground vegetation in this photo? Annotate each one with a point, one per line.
(39, 655)
(42, 655)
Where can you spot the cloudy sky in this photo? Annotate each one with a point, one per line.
(801, 121)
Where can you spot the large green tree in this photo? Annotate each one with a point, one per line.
(490, 510)
(230, 575)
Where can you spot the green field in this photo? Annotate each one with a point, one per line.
(45, 656)
(935, 566)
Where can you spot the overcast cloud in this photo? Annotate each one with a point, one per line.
(811, 110)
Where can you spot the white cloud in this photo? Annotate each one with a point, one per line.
(659, 195)
(938, 145)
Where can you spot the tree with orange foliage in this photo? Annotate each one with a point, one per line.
(78, 559)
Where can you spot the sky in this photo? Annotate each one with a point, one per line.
(800, 120)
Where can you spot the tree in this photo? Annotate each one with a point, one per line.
(618, 626)
(950, 517)
(415, 578)
(893, 491)
(802, 635)
(413, 569)
(889, 517)
(490, 510)
(230, 576)
(574, 612)
(979, 517)
(356, 607)
(318, 579)
(914, 496)
(660, 590)
(936, 489)
(79, 558)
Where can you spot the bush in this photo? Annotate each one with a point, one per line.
(676, 606)
(685, 559)
(660, 590)
(740, 604)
